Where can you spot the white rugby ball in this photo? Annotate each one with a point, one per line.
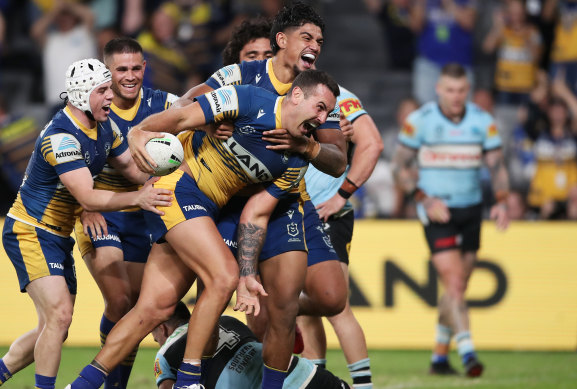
(167, 152)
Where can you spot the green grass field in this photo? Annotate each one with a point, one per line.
(391, 370)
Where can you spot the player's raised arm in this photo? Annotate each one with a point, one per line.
(171, 121)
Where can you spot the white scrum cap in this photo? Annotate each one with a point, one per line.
(82, 77)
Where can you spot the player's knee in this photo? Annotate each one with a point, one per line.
(224, 285)
(456, 287)
(117, 306)
(331, 302)
(60, 319)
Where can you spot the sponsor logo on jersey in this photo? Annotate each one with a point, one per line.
(247, 130)
(408, 130)
(222, 100)
(255, 169)
(107, 237)
(260, 113)
(230, 243)
(228, 75)
(56, 265)
(290, 213)
(67, 148)
(157, 368)
(450, 156)
(350, 106)
(335, 115)
(257, 78)
(194, 207)
(492, 131)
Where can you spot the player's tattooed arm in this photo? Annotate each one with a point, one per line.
(251, 234)
(250, 241)
(404, 171)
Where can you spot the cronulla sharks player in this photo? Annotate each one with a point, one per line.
(211, 175)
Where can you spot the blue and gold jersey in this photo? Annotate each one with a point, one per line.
(261, 74)
(149, 102)
(64, 145)
(450, 155)
(221, 168)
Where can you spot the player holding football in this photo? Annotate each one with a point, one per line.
(451, 139)
(213, 172)
(369, 146)
(296, 39)
(114, 251)
(72, 149)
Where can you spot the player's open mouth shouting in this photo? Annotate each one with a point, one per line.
(308, 60)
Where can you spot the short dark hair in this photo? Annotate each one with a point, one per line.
(121, 45)
(180, 316)
(248, 31)
(293, 15)
(309, 79)
(453, 70)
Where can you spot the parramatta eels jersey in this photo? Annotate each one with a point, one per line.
(221, 168)
(261, 74)
(321, 186)
(64, 145)
(149, 102)
(450, 154)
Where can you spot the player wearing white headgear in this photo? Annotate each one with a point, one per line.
(69, 152)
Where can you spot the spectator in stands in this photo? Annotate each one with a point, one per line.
(518, 46)
(167, 68)
(445, 36)
(395, 18)
(564, 49)
(65, 35)
(553, 190)
(197, 21)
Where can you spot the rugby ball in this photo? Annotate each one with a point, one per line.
(167, 152)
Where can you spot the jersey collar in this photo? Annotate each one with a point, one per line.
(130, 113)
(280, 87)
(92, 133)
(278, 110)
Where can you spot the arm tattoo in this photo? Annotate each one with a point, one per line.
(250, 241)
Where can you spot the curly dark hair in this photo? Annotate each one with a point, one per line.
(293, 15)
(248, 31)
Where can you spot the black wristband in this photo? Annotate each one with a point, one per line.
(344, 194)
